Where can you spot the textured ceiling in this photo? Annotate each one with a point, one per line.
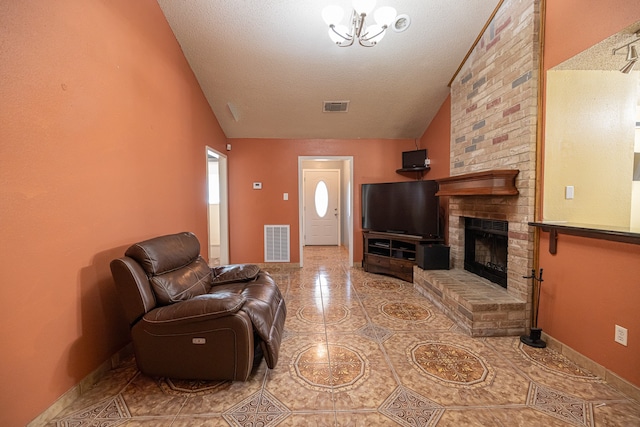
(273, 64)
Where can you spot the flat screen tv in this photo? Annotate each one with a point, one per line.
(410, 207)
(414, 159)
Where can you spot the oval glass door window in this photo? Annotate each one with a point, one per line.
(322, 199)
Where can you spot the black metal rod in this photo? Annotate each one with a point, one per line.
(538, 285)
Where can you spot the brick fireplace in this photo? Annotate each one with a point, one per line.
(493, 127)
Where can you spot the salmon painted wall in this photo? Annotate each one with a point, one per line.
(274, 162)
(437, 140)
(590, 285)
(102, 144)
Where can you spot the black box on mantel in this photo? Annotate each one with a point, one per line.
(433, 257)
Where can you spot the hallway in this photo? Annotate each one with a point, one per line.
(366, 350)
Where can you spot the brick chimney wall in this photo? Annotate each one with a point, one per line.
(493, 126)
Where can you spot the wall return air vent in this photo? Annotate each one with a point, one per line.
(276, 243)
(335, 106)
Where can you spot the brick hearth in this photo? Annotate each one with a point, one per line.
(479, 307)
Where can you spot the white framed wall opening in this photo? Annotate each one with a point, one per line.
(217, 208)
(342, 208)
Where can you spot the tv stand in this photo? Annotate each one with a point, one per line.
(392, 254)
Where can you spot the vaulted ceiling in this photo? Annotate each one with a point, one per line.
(267, 66)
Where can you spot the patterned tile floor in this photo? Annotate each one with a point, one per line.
(366, 350)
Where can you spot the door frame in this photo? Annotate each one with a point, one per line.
(224, 204)
(346, 211)
(304, 176)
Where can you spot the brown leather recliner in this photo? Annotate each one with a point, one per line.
(190, 321)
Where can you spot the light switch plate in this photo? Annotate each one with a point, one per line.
(568, 192)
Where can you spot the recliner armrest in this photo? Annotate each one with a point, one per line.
(198, 309)
(234, 273)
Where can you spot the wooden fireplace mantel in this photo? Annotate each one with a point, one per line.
(497, 182)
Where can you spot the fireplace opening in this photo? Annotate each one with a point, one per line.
(485, 248)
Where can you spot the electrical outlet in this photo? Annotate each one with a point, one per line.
(621, 335)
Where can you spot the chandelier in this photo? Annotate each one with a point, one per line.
(367, 35)
(632, 54)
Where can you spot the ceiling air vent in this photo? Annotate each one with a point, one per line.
(335, 106)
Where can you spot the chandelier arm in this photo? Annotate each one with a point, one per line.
(346, 43)
(637, 34)
(357, 22)
(366, 39)
(347, 37)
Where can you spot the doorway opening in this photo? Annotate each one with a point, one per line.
(217, 208)
(316, 218)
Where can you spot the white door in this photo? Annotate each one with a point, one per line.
(321, 206)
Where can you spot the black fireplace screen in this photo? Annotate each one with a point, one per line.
(485, 248)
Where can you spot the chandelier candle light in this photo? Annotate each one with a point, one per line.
(367, 36)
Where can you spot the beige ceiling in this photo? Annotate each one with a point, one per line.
(272, 62)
